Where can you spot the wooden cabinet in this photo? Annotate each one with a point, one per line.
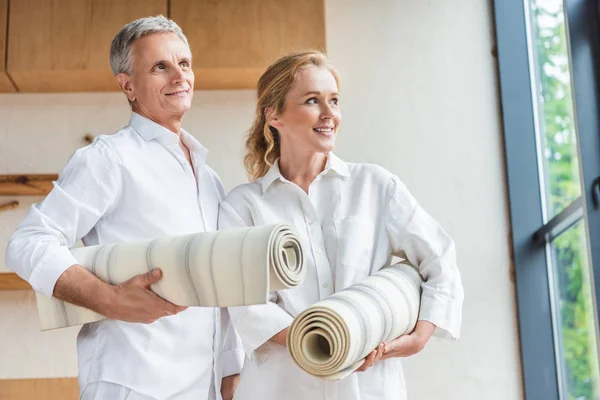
(64, 45)
(6, 85)
(234, 40)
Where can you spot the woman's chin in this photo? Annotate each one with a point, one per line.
(325, 146)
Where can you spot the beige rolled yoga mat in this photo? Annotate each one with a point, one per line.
(331, 338)
(212, 269)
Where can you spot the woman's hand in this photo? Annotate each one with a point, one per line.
(407, 345)
(281, 337)
(228, 386)
(371, 358)
(404, 346)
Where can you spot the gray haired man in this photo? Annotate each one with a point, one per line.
(150, 179)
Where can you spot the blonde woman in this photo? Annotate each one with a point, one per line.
(352, 218)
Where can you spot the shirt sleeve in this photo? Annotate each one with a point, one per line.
(232, 353)
(88, 186)
(255, 324)
(417, 237)
(217, 182)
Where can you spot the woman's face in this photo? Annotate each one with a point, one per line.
(311, 114)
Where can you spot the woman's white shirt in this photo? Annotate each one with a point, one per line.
(354, 218)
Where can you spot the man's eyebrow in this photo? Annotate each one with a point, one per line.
(185, 58)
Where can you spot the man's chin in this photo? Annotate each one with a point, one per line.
(180, 109)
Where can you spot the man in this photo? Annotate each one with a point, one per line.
(148, 180)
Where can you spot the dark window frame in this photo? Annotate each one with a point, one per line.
(529, 232)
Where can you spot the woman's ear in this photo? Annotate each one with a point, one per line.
(272, 118)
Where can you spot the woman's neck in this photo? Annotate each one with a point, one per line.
(301, 168)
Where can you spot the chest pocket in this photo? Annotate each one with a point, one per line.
(354, 237)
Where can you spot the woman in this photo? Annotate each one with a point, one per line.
(352, 218)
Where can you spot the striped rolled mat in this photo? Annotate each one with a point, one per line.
(234, 267)
(331, 338)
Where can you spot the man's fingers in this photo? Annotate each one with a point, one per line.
(170, 308)
(152, 277)
(147, 279)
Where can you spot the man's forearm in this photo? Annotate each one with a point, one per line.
(80, 287)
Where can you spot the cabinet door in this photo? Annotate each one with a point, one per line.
(6, 85)
(63, 45)
(233, 41)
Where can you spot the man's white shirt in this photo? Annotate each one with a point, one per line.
(132, 186)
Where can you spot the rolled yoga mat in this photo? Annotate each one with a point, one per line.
(234, 267)
(331, 338)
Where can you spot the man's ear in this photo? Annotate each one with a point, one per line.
(124, 82)
(272, 118)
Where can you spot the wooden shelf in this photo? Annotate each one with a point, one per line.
(26, 185)
(40, 389)
(11, 281)
(9, 206)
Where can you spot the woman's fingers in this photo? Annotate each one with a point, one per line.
(369, 360)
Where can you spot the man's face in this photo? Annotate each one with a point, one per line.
(162, 85)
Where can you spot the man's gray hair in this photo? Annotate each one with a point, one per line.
(121, 54)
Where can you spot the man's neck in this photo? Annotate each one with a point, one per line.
(171, 122)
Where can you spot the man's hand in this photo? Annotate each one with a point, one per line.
(133, 301)
(228, 386)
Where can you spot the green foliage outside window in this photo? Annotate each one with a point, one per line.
(574, 297)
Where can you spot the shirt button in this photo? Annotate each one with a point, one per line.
(326, 285)
(318, 249)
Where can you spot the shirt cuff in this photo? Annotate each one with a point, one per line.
(233, 361)
(50, 267)
(445, 315)
(259, 324)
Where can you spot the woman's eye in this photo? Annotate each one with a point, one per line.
(335, 101)
(184, 64)
(312, 100)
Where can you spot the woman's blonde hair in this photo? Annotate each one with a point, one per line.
(262, 142)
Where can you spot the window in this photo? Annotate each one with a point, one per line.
(548, 57)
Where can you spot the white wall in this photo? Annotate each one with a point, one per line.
(419, 96)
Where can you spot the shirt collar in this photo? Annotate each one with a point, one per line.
(193, 145)
(150, 130)
(337, 165)
(271, 175)
(334, 165)
(147, 128)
